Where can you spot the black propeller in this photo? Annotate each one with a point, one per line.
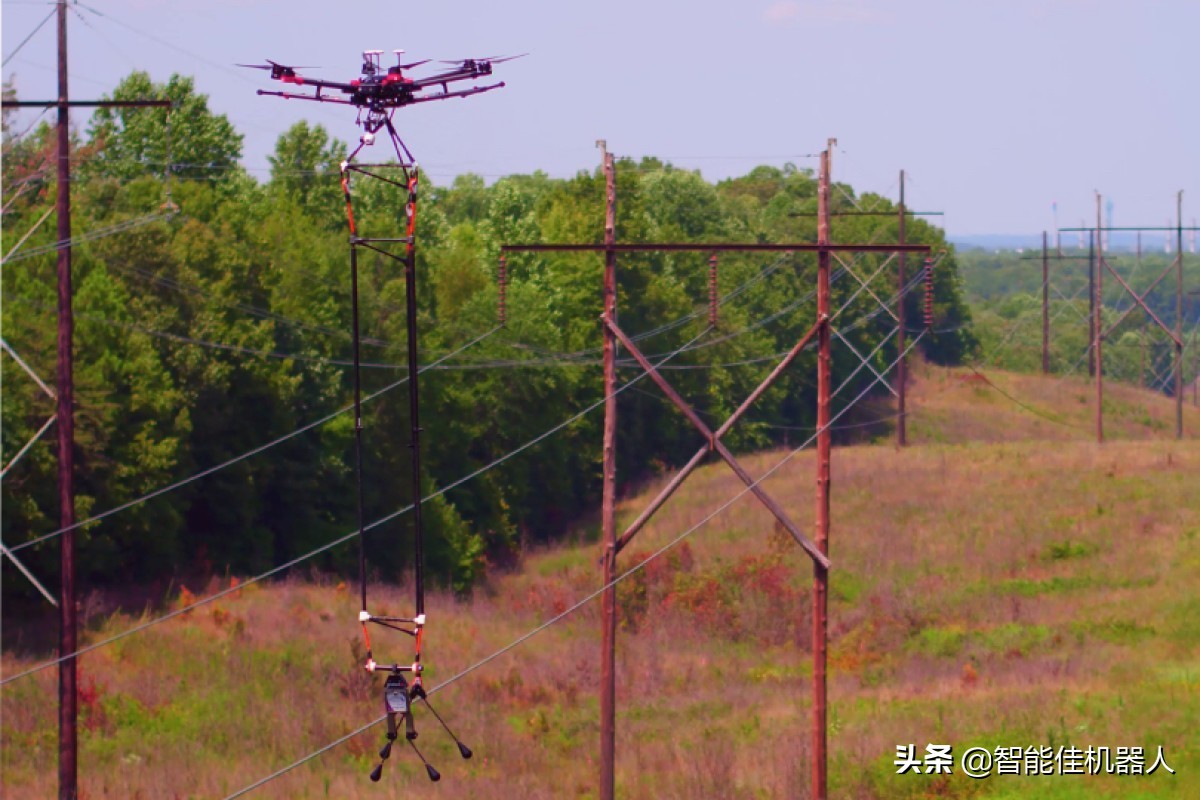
(507, 58)
(276, 70)
(488, 59)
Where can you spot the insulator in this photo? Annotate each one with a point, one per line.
(502, 308)
(928, 293)
(712, 290)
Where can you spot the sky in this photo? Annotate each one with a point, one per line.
(995, 109)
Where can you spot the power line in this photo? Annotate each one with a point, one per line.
(233, 348)
(558, 358)
(168, 44)
(323, 548)
(742, 288)
(262, 313)
(25, 41)
(101, 233)
(1026, 406)
(165, 43)
(586, 599)
(438, 364)
(187, 288)
(32, 230)
(26, 130)
(569, 360)
(564, 359)
(253, 452)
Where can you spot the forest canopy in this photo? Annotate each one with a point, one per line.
(213, 317)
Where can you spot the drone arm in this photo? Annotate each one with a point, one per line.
(461, 74)
(319, 84)
(292, 96)
(459, 93)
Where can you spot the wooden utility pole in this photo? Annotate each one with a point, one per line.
(1095, 319)
(1179, 315)
(901, 380)
(68, 698)
(1098, 325)
(1092, 303)
(712, 439)
(820, 572)
(68, 742)
(1045, 306)
(901, 365)
(608, 517)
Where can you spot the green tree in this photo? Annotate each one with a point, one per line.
(188, 139)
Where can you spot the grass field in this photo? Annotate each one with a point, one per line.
(1003, 582)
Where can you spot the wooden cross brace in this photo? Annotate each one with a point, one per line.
(1140, 301)
(715, 444)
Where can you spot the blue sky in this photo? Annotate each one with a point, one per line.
(994, 109)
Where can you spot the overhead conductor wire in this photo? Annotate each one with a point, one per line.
(252, 452)
(342, 539)
(387, 518)
(594, 594)
(440, 363)
(25, 41)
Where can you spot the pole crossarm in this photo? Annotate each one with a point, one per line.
(88, 103)
(715, 444)
(1172, 228)
(906, 213)
(1141, 302)
(700, 247)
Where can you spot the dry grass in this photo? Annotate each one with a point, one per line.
(987, 589)
(957, 406)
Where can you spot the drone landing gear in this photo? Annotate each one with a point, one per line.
(398, 697)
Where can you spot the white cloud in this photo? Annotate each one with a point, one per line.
(826, 11)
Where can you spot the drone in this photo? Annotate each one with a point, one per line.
(377, 95)
(381, 90)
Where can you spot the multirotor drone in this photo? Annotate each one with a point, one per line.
(381, 90)
(377, 95)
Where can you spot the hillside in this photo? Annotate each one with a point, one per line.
(1005, 581)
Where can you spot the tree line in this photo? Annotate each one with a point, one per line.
(213, 316)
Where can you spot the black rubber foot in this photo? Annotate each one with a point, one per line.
(385, 751)
(464, 751)
(377, 773)
(434, 775)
